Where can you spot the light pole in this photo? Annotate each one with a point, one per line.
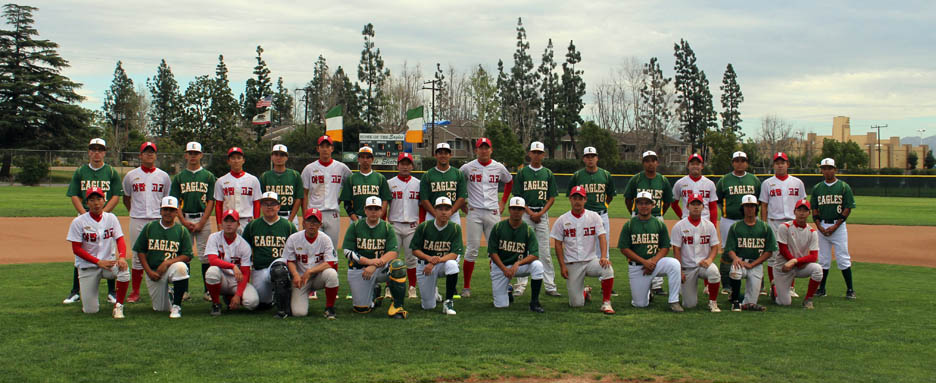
(921, 130)
(432, 88)
(878, 127)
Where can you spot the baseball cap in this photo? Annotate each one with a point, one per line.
(482, 141)
(169, 202)
(366, 149)
(749, 200)
(649, 153)
(827, 162)
(235, 149)
(696, 157)
(404, 156)
(517, 202)
(325, 139)
(230, 213)
(373, 201)
(578, 190)
(537, 146)
(443, 146)
(280, 148)
(694, 197)
(269, 195)
(590, 150)
(146, 145)
(644, 195)
(97, 141)
(95, 190)
(443, 201)
(781, 155)
(313, 212)
(802, 202)
(738, 155)
(193, 147)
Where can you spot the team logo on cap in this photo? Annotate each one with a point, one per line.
(193, 147)
(280, 148)
(169, 202)
(749, 199)
(373, 201)
(325, 139)
(230, 213)
(590, 150)
(644, 195)
(578, 190)
(537, 146)
(270, 195)
(483, 141)
(94, 190)
(443, 201)
(517, 202)
(738, 155)
(313, 212)
(827, 162)
(443, 146)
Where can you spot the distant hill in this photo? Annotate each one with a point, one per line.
(931, 141)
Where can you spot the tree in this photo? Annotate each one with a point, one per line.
(346, 94)
(731, 99)
(402, 94)
(656, 111)
(166, 111)
(549, 89)
(256, 89)
(847, 155)
(196, 113)
(617, 98)
(721, 145)
(776, 134)
(371, 73)
(121, 106)
(482, 89)
(524, 101)
(34, 96)
(572, 89)
(509, 151)
(694, 99)
(930, 160)
(912, 160)
(608, 152)
(440, 97)
(223, 113)
(318, 90)
(283, 104)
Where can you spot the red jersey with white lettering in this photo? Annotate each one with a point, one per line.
(98, 238)
(236, 252)
(404, 204)
(307, 254)
(146, 189)
(687, 186)
(483, 183)
(323, 181)
(579, 235)
(781, 196)
(694, 241)
(238, 193)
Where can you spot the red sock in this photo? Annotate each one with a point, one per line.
(121, 291)
(330, 294)
(712, 291)
(793, 283)
(411, 274)
(215, 291)
(136, 276)
(334, 265)
(469, 268)
(606, 286)
(773, 289)
(813, 285)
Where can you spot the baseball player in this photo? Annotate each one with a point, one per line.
(695, 244)
(798, 246)
(514, 252)
(193, 187)
(237, 190)
(537, 186)
(356, 188)
(438, 245)
(404, 213)
(267, 237)
(322, 181)
(749, 243)
(599, 187)
(443, 180)
(164, 247)
(93, 236)
(370, 245)
(484, 176)
(645, 242)
(95, 174)
(145, 188)
(729, 190)
(229, 263)
(696, 183)
(309, 256)
(577, 235)
(285, 182)
(832, 202)
(778, 195)
(661, 191)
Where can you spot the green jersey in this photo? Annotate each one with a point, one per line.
(193, 189)
(748, 242)
(160, 244)
(731, 188)
(645, 238)
(267, 240)
(287, 185)
(598, 185)
(437, 243)
(450, 183)
(535, 186)
(830, 200)
(658, 186)
(512, 244)
(369, 242)
(85, 178)
(358, 187)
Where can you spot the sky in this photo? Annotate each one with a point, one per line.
(803, 61)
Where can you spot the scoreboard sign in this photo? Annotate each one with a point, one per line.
(386, 147)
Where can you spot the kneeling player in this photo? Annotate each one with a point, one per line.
(93, 235)
(228, 256)
(267, 236)
(645, 241)
(311, 258)
(438, 245)
(371, 248)
(695, 243)
(577, 235)
(164, 248)
(514, 252)
(799, 251)
(750, 243)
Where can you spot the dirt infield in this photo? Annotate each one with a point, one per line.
(37, 240)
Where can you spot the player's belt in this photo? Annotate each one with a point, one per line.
(283, 213)
(535, 208)
(829, 221)
(193, 215)
(600, 212)
(632, 263)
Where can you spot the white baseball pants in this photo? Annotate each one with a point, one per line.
(690, 288)
(299, 299)
(263, 286)
(575, 285)
(214, 275)
(839, 241)
(783, 280)
(428, 283)
(159, 290)
(404, 233)
(542, 238)
(499, 282)
(640, 283)
(136, 227)
(754, 277)
(89, 280)
(478, 222)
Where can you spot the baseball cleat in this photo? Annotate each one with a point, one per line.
(518, 290)
(725, 292)
(793, 293)
(448, 307)
(820, 293)
(118, 311)
(606, 308)
(313, 296)
(713, 307)
(111, 298)
(133, 298)
(735, 306)
(676, 307)
(438, 298)
(206, 297)
(763, 292)
(215, 309)
(850, 294)
(72, 298)
(466, 293)
(587, 294)
(553, 293)
(412, 292)
(510, 294)
(807, 304)
(753, 307)
(175, 312)
(537, 308)
(280, 315)
(330, 313)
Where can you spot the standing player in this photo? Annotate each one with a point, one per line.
(695, 244)
(577, 235)
(285, 182)
(729, 190)
(799, 249)
(164, 248)
(696, 184)
(229, 266)
(438, 245)
(95, 174)
(267, 237)
(145, 187)
(832, 201)
(309, 256)
(93, 236)
(193, 187)
(599, 186)
(237, 190)
(370, 245)
(514, 251)
(322, 181)
(484, 176)
(404, 213)
(778, 195)
(750, 242)
(659, 188)
(356, 188)
(537, 185)
(443, 180)
(645, 242)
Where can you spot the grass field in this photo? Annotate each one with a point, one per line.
(883, 336)
(25, 201)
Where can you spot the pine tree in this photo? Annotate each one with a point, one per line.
(195, 112)
(120, 108)
(930, 160)
(223, 114)
(505, 92)
(282, 104)
(525, 100)
(441, 98)
(694, 100)
(372, 74)
(731, 99)
(166, 108)
(549, 89)
(256, 89)
(572, 89)
(655, 110)
(483, 92)
(318, 91)
(346, 94)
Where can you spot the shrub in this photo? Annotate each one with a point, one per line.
(34, 171)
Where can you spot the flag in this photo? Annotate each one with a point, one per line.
(265, 102)
(414, 125)
(262, 118)
(334, 123)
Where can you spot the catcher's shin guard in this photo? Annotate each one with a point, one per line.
(280, 277)
(397, 284)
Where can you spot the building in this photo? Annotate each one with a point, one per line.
(673, 153)
(892, 153)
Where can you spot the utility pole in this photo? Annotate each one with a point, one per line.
(878, 127)
(434, 88)
(921, 130)
(305, 107)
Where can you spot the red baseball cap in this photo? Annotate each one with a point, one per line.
(235, 149)
(147, 144)
(404, 156)
(482, 141)
(325, 139)
(578, 190)
(694, 197)
(313, 212)
(695, 156)
(802, 202)
(230, 213)
(780, 155)
(95, 190)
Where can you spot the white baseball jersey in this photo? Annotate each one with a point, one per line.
(694, 241)
(236, 252)
(238, 193)
(483, 182)
(781, 196)
(404, 206)
(98, 238)
(324, 183)
(800, 241)
(579, 235)
(307, 254)
(146, 190)
(702, 186)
